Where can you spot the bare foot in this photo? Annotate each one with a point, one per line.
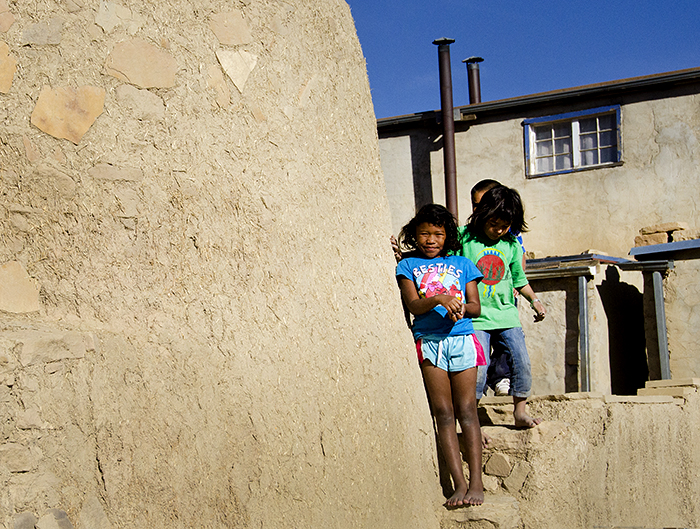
(457, 499)
(522, 419)
(525, 421)
(485, 439)
(475, 496)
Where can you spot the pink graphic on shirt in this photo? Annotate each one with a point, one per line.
(434, 283)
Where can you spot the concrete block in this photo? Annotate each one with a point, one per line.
(663, 228)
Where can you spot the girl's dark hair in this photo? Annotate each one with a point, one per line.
(436, 215)
(482, 186)
(500, 202)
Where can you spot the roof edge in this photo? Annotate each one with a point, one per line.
(592, 90)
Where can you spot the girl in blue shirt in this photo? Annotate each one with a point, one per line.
(440, 290)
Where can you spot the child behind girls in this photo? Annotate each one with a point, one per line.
(440, 290)
(488, 241)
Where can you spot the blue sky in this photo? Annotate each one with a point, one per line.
(528, 47)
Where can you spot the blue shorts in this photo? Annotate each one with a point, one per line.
(452, 353)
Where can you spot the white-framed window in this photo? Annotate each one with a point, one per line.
(572, 141)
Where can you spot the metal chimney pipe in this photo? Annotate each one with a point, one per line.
(448, 124)
(474, 79)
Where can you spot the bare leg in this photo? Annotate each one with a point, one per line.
(437, 382)
(522, 419)
(464, 398)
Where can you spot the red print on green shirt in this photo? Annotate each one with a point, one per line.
(492, 266)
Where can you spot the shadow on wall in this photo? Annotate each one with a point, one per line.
(624, 308)
(420, 166)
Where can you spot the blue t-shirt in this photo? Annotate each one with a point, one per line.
(442, 275)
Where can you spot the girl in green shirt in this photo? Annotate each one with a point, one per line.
(488, 242)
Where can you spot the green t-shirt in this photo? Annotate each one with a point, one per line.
(501, 262)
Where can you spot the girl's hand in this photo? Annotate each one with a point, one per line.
(395, 247)
(455, 308)
(539, 309)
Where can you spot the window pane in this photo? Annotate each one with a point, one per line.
(607, 121)
(562, 130)
(562, 146)
(563, 162)
(608, 154)
(544, 165)
(607, 138)
(544, 148)
(589, 157)
(589, 141)
(543, 133)
(587, 125)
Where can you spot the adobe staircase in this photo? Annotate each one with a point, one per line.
(596, 461)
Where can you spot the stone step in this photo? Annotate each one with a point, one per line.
(498, 510)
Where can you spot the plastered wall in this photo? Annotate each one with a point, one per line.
(601, 209)
(198, 320)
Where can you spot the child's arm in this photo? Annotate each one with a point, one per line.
(472, 308)
(535, 303)
(418, 305)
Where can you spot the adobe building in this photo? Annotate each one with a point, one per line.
(192, 333)
(595, 165)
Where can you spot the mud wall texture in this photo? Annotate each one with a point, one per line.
(682, 301)
(200, 325)
(597, 461)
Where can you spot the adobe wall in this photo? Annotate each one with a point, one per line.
(621, 325)
(595, 461)
(199, 321)
(682, 301)
(600, 209)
